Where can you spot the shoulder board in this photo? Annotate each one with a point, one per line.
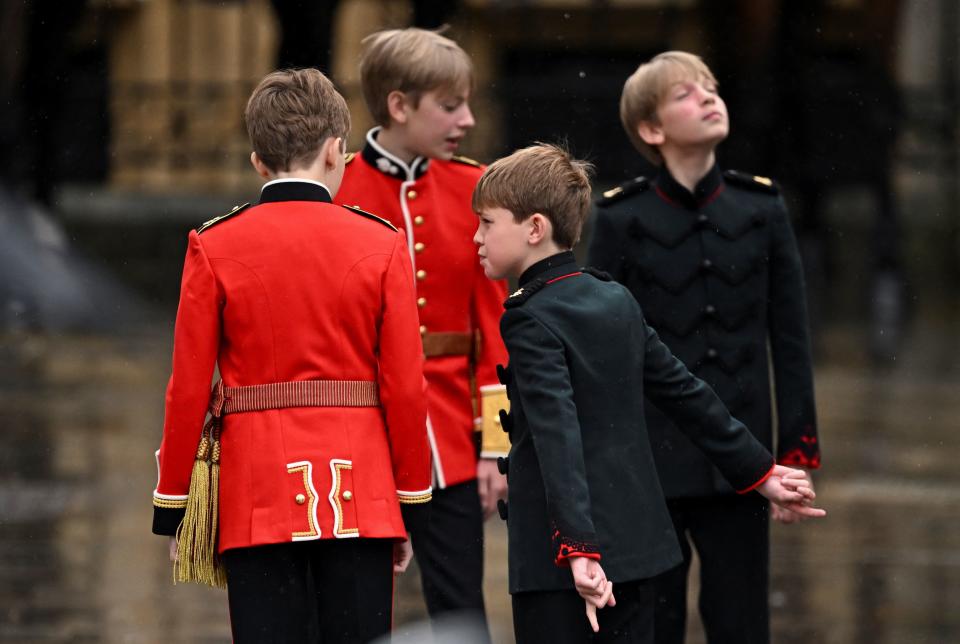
(523, 294)
(370, 215)
(350, 156)
(632, 187)
(603, 276)
(216, 220)
(752, 182)
(466, 161)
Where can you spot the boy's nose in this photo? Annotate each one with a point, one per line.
(476, 237)
(466, 118)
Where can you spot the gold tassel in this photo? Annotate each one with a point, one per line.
(219, 573)
(194, 536)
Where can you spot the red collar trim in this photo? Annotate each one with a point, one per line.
(563, 277)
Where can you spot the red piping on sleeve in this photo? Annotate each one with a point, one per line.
(760, 482)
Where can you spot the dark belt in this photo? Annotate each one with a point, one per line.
(447, 344)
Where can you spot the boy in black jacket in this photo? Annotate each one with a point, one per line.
(583, 486)
(711, 258)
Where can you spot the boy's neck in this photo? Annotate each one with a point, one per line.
(539, 253)
(393, 140)
(689, 166)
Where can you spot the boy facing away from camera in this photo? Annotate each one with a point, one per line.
(711, 258)
(315, 463)
(588, 526)
(416, 85)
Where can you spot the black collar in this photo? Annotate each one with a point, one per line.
(390, 165)
(294, 190)
(705, 191)
(547, 269)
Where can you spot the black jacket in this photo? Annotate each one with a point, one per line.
(717, 274)
(582, 478)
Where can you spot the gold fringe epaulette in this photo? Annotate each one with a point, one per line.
(370, 215)
(466, 161)
(216, 220)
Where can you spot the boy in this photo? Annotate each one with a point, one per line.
(583, 488)
(416, 84)
(308, 310)
(712, 261)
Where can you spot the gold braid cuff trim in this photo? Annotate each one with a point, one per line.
(169, 504)
(420, 498)
(494, 442)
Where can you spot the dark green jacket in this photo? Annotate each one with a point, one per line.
(717, 274)
(581, 473)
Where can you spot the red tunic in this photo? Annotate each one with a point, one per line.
(430, 200)
(292, 289)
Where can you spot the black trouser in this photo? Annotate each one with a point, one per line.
(449, 552)
(330, 591)
(559, 617)
(731, 535)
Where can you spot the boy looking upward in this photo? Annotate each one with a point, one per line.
(416, 84)
(587, 520)
(307, 308)
(711, 258)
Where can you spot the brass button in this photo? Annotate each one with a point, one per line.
(419, 247)
(421, 274)
(411, 194)
(300, 499)
(496, 420)
(423, 330)
(347, 495)
(421, 302)
(418, 220)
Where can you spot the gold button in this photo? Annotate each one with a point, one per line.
(347, 495)
(411, 194)
(419, 247)
(423, 330)
(301, 499)
(421, 302)
(496, 420)
(421, 274)
(418, 220)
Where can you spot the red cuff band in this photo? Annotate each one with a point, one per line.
(563, 560)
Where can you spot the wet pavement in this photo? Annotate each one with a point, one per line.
(82, 417)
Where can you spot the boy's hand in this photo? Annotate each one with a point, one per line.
(792, 490)
(491, 484)
(173, 549)
(592, 584)
(402, 554)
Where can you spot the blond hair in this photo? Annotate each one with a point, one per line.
(542, 178)
(412, 61)
(647, 86)
(290, 114)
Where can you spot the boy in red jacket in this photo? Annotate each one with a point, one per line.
(416, 84)
(307, 308)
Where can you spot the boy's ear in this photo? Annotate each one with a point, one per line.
(540, 229)
(651, 133)
(333, 152)
(259, 166)
(397, 104)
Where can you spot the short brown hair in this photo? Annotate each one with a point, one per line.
(542, 178)
(290, 114)
(647, 86)
(412, 61)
